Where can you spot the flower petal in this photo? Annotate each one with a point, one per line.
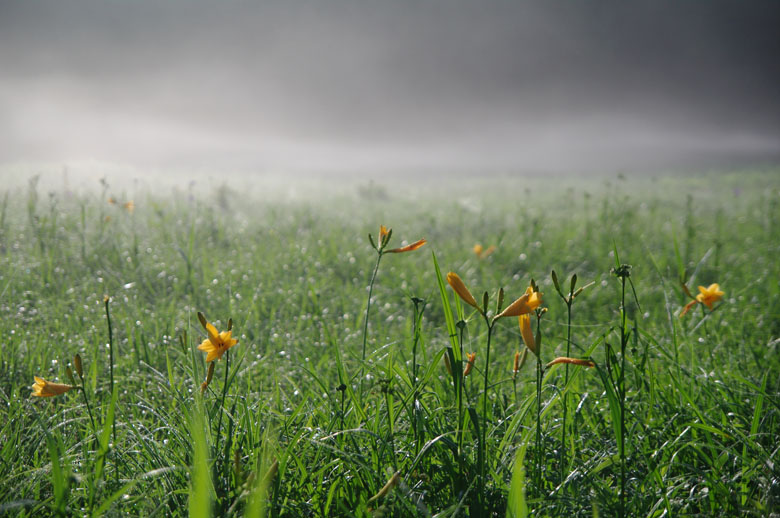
(407, 248)
(525, 329)
(526, 303)
(213, 334)
(206, 345)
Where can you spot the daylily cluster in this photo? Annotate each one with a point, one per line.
(525, 304)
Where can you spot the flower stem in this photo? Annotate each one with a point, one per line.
(622, 385)
(111, 358)
(483, 441)
(539, 456)
(222, 400)
(365, 323)
(565, 385)
(89, 408)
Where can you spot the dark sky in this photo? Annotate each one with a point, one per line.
(402, 84)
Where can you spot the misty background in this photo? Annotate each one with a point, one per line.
(367, 86)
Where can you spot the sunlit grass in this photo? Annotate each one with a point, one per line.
(320, 411)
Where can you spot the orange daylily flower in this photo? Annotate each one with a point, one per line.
(528, 302)
(407, 248)
(571, 361)
(43, 388)
(460, 288)
(707, 296)
(481, 252)
(217, 343)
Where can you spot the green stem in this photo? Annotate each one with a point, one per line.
(483, 441)
(622, 385)
(365, 323)
(222, 400)
(539, 425)
(86, 400)
(565, 386)
(111, 360)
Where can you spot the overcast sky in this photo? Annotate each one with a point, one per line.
(403, 84)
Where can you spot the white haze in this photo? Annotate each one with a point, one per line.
(349, 86)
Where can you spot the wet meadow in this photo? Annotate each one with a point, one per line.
(503, 346)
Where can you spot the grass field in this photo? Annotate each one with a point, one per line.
(318, 411)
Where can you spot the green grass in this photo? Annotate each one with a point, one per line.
(300, 434)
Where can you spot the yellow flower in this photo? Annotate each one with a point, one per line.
(43, 388)
(463, 292)
(407, 248)
(129, 206)
(472, 357)
(525, 330)
(217, 343)
(526, 304)
(478, 250)
(709, 295)
(383, 232)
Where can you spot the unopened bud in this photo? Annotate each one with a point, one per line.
(209, 375)
(447, 363)
(78, 365)
(70, 376)
(470, 364)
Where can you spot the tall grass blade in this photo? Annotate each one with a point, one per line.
(516, 505)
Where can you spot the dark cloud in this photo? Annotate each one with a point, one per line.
(428, 84)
